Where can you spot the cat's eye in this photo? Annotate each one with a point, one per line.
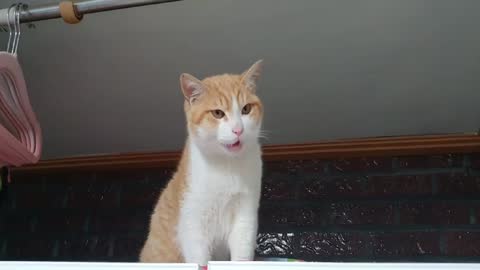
(246, 109)
(219, 114)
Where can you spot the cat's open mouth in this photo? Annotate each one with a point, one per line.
(236, 146)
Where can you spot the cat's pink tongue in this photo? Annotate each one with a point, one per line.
(235, 147)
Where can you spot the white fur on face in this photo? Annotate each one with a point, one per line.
(227, 124)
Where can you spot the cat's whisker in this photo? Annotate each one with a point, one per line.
(264, 134)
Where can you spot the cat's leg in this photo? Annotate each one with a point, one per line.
(243, 235)
(221, 252)
(193, 238)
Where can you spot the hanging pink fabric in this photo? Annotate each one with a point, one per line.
(20, 133)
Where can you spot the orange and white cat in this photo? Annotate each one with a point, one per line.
(208, 211)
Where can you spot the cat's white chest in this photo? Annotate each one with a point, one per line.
(215, 194)
(217, 189)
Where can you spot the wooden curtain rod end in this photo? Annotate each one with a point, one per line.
(69, 12)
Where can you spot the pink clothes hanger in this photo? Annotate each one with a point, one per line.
(21, 142)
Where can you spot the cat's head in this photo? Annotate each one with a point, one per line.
(224, 115)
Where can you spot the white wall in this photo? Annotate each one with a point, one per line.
(334, 69)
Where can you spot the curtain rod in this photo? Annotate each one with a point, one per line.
(47, 12)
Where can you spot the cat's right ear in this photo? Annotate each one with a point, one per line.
(192, 87)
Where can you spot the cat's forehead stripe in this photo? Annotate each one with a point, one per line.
(238, 95)
(224, 100)
(235, 107)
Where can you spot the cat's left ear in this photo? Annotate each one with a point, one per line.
(250, 77)
(192, 87)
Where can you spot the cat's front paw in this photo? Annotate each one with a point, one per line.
(242, 259)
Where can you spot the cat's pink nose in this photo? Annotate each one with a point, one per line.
(238, 131)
